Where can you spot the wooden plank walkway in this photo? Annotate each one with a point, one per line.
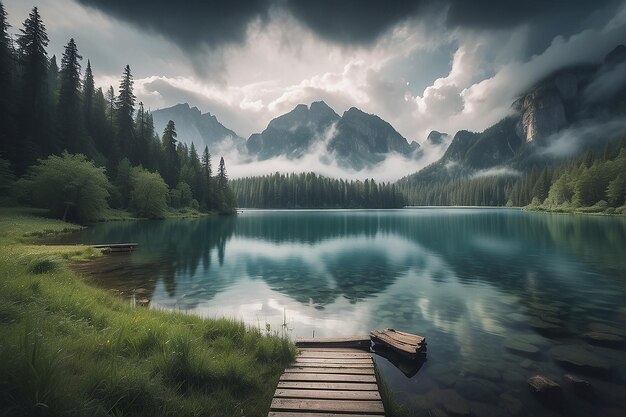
(116, 247)
(328, 382)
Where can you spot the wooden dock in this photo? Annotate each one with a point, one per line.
(328, 380)
(116, 247)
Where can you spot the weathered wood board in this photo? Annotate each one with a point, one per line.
(328, 382)
(401, 342)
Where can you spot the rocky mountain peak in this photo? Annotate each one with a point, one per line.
(436, 138)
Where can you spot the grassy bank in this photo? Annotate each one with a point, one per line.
(598, 209)
(171, 213)
(67, 348)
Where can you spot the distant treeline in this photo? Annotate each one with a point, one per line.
(308, 190)
(593, 181)
(46, 110)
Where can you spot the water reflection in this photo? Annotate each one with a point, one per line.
(495, 291)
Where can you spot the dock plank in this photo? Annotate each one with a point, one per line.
(331, 349)
(340, 386)
(329, 370)
(327, 394)
(303, 359)
(299, 414)
(327, 377)
(321, 364)
(337, 355)
(292, 404)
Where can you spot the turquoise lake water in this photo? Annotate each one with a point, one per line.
(500, 294)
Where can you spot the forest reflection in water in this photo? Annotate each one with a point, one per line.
(471, 280)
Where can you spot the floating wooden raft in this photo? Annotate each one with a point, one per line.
(328, 382)
(406, 344)
(116, 247)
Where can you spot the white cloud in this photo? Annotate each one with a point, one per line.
(496, 172)
(569, 141)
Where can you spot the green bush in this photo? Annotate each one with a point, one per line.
(44, 265)
(71, 186)
(181, 196)
(148, 196)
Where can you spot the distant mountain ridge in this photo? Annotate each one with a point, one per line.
(356, 139)
(293, 133)
(194, 126)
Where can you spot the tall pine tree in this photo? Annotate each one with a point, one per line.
(34, 119)
(171, 164)
(69, 116)
(89, 91)
(125, 124)
(8, 138)
(206, 180)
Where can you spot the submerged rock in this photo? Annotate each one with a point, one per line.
(547, 329)
(451, 402)
(605, 328)
(520, 347)
(511, 404)
(580, 359)
(480, 409)
(546, 390)
(478, 390)
(483, 371)
(605, 339)
(581, 387)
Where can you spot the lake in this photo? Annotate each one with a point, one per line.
(500, 294)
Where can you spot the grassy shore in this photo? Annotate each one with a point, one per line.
(67, 348)
(171, 213)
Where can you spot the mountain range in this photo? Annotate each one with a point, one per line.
(356, 139)
(194, 126)
(566, 99)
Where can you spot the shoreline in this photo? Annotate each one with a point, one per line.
(100, 355)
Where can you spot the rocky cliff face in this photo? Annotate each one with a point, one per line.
(563, 98)
(542, 113)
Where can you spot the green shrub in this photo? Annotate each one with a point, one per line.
(44, 265)
(71, 186)
(148, 194)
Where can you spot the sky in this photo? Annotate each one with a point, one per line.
(420, 65)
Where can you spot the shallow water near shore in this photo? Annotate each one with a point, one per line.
(500, 294)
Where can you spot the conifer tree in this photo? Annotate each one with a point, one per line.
(171, 165)
(8, 145)
(125, 108)
(207, 180)
(34, 117)
(69, 120)
(53, 82)
(141, 138)
(88, 99)
(222, 177)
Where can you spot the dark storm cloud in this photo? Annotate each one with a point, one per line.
(545, 18)
(191, 23)
(214, 23)
(352, 21)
